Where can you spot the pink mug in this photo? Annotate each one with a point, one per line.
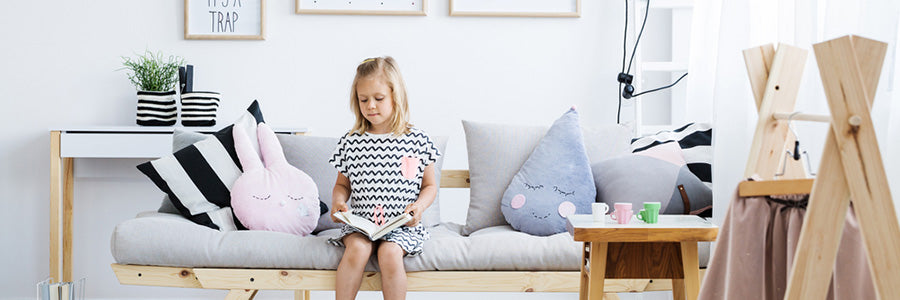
(623, 213)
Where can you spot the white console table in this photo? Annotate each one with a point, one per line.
(67, 143)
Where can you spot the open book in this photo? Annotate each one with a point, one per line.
(374, 232)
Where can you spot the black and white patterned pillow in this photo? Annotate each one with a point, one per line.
(198, 178)
(695, 140)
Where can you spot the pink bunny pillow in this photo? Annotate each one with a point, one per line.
(277, 197)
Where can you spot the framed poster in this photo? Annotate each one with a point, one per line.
(224, 19)
(516, 8)
(363, 7)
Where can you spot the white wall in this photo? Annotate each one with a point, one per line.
(59, 64)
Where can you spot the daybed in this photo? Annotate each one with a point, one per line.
(163, 249)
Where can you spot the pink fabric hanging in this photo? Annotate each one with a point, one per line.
(755, 250)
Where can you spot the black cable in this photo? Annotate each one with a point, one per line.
(625, 38)
(624, 52)
(619, 110)
(624, 77)
(638, 40)
(660, 88)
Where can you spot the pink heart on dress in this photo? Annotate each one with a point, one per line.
(409, 166)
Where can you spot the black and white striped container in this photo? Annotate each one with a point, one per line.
(199, 108)
(156, 108)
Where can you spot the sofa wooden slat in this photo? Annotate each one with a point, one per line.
(323, 280)
(156, 276)
(454, 178)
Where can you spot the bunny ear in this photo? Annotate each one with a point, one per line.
(269, 146)
(244, 148)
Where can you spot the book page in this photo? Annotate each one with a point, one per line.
(373, 231)
(356, 221)
(391, 224)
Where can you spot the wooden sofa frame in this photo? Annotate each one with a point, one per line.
(245, 283)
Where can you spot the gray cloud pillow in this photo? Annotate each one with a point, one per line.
(553, 184)
(496, 152)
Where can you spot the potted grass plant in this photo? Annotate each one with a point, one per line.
(155, 77)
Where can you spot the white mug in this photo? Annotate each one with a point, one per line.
(599, 210)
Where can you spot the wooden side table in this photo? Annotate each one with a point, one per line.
(638, 250)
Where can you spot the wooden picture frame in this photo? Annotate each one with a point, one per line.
(516, 8)
(225, 19)
(362, 7)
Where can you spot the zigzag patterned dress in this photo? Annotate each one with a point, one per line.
(385, 175)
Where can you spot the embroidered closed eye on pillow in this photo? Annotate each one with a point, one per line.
(554, 183)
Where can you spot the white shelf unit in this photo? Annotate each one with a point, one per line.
(670, 19)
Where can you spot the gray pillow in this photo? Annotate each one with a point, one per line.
(310, 154)
(496, 152)
(638, 178)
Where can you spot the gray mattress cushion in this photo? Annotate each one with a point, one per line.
(161, 239)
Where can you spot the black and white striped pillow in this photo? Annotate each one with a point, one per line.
(695, 140)
(198, 178)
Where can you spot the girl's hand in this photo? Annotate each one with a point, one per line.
(336, 207)
(417, 210)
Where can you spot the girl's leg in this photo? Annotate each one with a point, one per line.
(393, 274)
(353, 263)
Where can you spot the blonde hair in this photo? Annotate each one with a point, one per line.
(387, 67)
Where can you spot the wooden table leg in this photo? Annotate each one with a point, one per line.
(678, 289)
(68, 199)
(597, 270)
(61, 198)
(55, 206)
(690, 285)
(585, 276)
(301, 295)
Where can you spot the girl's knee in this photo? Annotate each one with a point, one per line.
(357, 245)
(390, 250)
(357, 241)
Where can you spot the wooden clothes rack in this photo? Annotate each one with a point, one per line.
(851, 166)
(775, 81)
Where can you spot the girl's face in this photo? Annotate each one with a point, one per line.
(375, 102)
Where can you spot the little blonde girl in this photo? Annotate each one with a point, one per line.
(385, 168)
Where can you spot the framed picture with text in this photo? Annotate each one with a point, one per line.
(224, 19)
(516, 8)
(363, 7)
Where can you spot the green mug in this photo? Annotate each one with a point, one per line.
(650, 213)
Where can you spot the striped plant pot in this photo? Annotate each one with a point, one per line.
(156, 108)
(199, 108)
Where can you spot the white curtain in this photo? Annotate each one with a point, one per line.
(722, 29)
